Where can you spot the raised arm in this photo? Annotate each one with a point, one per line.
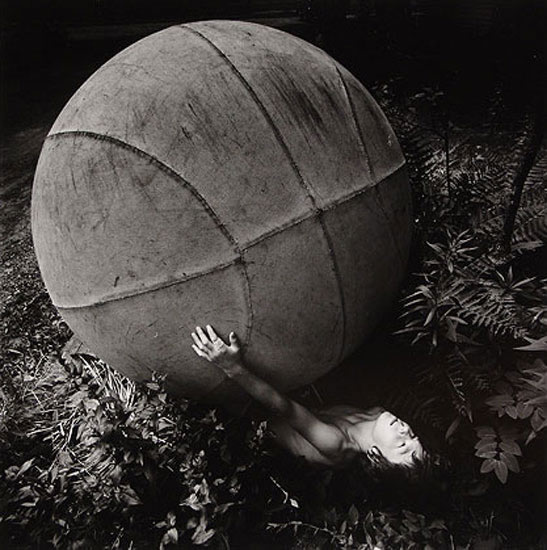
(326, 438)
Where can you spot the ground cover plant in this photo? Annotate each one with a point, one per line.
(88, 459)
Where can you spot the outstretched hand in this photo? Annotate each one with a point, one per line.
(211, 347)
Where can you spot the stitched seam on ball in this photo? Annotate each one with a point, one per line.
(361, 139)
(334, 264)
(177, 177)
(152, 288)
(310, 215)
(371, 170)
(264, 112)
(159, 164)
(225, 265)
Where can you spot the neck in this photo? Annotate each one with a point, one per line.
(361, 435)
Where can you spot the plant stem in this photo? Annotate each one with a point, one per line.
(525, 167)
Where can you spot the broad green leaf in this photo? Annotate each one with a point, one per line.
(501, 471)
(511, 447)
(486, 454)
(510, 461)
(453, 427)
(486, 445)
(485, 432)
(353, 515)
(26, 465)
(502, 400)
(488, 465)
(535, 345)
(537, 421)
(511, 411)
(524, 410)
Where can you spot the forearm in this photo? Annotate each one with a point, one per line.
(327, 439)
(260, 390)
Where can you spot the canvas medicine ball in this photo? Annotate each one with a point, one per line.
(226, 173)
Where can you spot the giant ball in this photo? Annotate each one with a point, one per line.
(227, 173)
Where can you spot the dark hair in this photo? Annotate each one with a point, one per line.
(418, 486)
(379, 468)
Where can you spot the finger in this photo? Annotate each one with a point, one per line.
(213, 335)
(202, 336)
(197, 340)
(234, 344)
(199, 352)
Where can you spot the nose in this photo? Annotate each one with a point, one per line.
(403, 428)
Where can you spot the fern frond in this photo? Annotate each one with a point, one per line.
(488, 307)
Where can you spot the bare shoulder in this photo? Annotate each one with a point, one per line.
(347, 414)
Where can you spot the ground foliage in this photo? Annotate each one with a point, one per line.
(90, 459)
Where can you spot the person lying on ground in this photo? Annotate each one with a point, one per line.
(332, 437)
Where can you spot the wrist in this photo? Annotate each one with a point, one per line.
(232, 368)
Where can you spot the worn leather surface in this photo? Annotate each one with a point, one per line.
(227, 173)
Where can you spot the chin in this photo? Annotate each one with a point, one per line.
(387, 417)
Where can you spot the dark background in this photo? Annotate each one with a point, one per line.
(49, 47)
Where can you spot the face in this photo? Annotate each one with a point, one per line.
(395, 439)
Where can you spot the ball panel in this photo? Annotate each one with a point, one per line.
(302, 94)
(108, 222)
(374, 131)
(298, 322)
(395, 200)
(143, 66)
(175, 98)
(152, 331)
(369, 261)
